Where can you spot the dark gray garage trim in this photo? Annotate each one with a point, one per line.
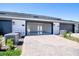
(66, 26)
(5, 26)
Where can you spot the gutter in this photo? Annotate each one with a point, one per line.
(36, 19)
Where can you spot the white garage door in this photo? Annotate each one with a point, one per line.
(35, 28)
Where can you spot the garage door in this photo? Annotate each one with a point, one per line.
(5, 26)
(67, 27)
(35, 28)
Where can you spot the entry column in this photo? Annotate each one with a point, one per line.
(56, 28)
(76, 28)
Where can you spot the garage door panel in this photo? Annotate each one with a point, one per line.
(67, 27)
(35, 28)
(5, 26)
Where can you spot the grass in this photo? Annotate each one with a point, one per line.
(68, 36)
(16, 52)
(73, 38)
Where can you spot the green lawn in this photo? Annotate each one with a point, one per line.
(68, 36)
(73, 38)
(16, 52)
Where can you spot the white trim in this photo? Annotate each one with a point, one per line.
(34, 19)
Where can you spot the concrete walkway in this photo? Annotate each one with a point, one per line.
(49, 45)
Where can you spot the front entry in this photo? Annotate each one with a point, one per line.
(36, 28)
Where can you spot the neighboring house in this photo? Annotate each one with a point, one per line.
(30, 24)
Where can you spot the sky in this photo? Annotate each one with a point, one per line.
(65, 11)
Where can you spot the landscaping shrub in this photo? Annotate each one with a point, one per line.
(69, 34)
(12, 50)
(9, 43)
(65, 34)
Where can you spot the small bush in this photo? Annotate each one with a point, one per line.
(9, 43)
(65, 34)
(12, 51)
(69, 34)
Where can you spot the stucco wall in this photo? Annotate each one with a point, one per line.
(76, 28)
(18, 26)
(56, 28)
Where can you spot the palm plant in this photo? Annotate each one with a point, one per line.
(10, 44)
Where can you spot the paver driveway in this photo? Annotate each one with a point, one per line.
(49, 45)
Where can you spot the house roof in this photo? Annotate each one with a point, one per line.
(24, 15)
